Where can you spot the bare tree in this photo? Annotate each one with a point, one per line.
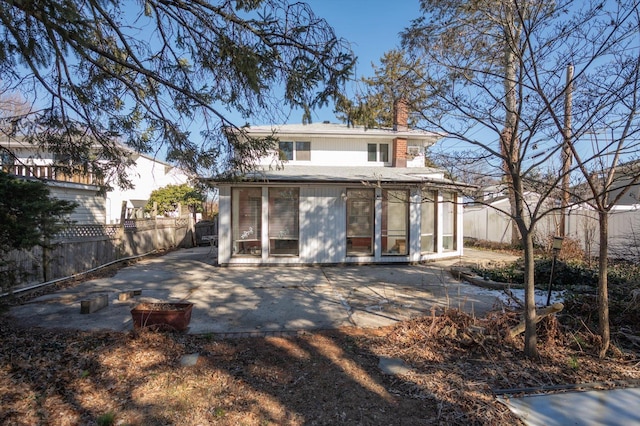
(500, 68)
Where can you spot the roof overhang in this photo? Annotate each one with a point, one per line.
(316, 130)
(319, 175)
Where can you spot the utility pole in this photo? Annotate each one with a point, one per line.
(566, 150)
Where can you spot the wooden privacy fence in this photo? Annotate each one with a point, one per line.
(84, 247)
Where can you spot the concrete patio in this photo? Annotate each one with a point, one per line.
(259, 300)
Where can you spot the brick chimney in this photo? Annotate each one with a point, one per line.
(400, 124)
(400, 115)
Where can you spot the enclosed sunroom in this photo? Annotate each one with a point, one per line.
(322, 215)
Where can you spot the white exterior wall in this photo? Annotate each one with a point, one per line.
(415, 216)
(326, 151)
(224, 224)
(146, 175)
(332, 152)
(91, 206)
(322, 225)
(322, 234)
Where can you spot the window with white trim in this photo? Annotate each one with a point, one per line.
(295, 151)
(360, 209)
(378, 152)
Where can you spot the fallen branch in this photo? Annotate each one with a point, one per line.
(513, 297)
(544, 312)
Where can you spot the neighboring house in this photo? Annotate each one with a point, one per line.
(147, 174)
(344, 195)
(30, 162)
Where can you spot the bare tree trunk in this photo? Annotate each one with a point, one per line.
(530, 335)
(530, 314)
(510, 144)
(603, 291)
(566, 150)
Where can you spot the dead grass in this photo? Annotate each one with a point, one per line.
(71, 378)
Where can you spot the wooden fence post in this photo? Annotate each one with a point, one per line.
(156, 238)
(45, 262)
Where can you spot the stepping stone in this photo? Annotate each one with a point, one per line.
(393, 366)
(94, 304)
(128, 294)
(189, 360)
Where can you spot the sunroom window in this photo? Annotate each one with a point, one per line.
(246, 219)
(378, 152)
(283, 221)
(395, 222)
(449, 219)
(428, 222)
(360, 228)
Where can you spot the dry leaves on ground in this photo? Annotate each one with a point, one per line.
(71, 378)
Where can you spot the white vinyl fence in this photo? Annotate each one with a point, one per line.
(624, 232)
(486, 223)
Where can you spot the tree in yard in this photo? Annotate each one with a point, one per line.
(496, 71)
(162, 74)
(397, 78)
(29, 217)
(169, 197)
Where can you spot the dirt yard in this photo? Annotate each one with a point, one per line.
(136, 378)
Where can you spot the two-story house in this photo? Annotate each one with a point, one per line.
(345, 195)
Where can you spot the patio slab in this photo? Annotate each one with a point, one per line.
(260, 299)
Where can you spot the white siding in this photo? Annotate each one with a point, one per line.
(322, 225)
(343, 152)
(91, 206)
(322, 236)
(224, 224)
(146, 175)
(414, 224)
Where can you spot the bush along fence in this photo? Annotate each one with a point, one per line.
(81, 248)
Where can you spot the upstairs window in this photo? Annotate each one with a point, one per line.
(372, 152)
(378, 152)
(295, 151)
